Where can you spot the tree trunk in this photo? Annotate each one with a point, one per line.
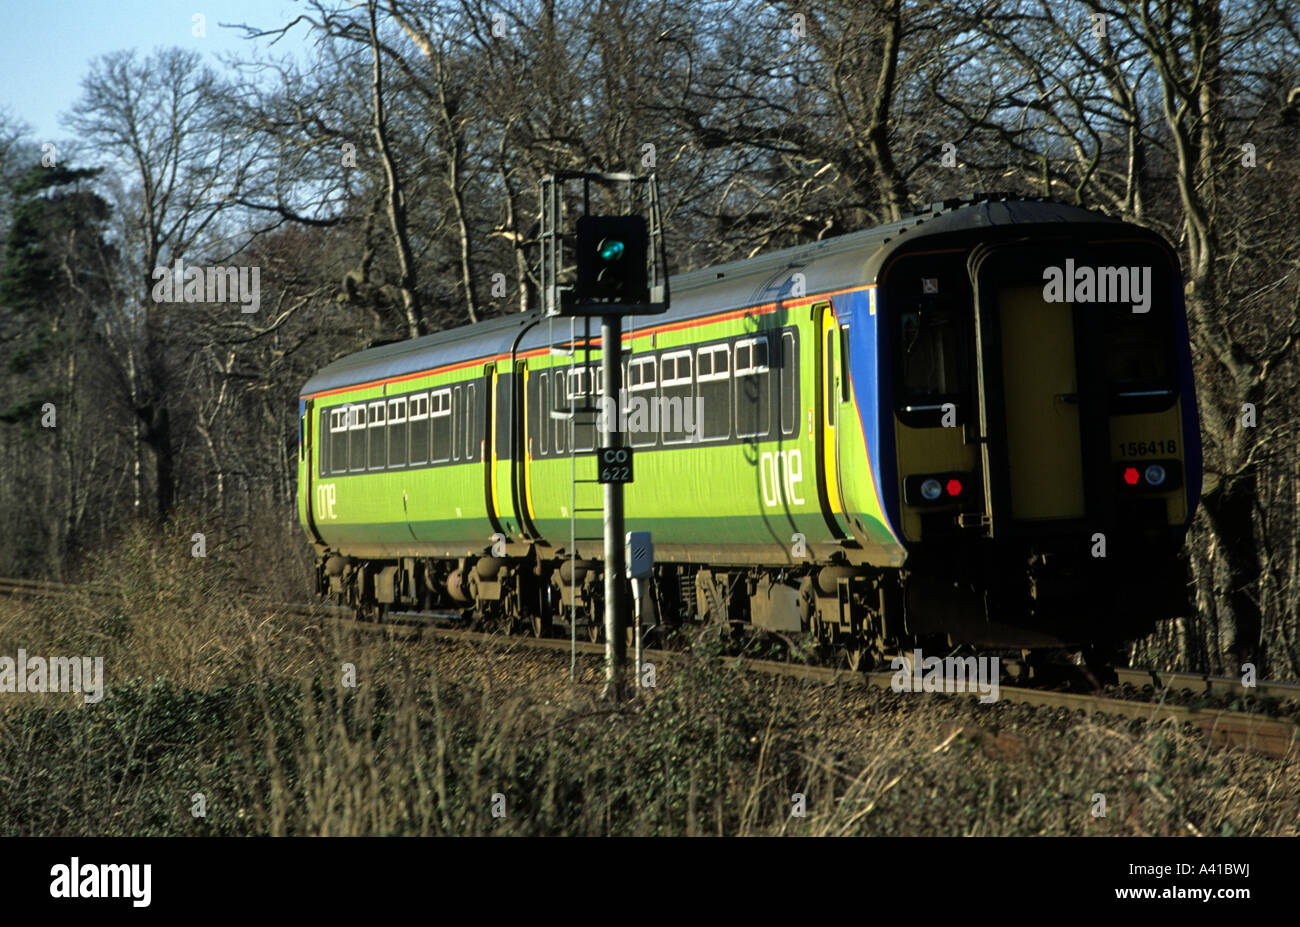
(1229, 508)
(396, 199)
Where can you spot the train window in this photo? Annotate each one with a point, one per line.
(457, 422)
(560, 412)
(573, 390)
(931, 353)
(713, 375)
(788, 365)
(499, 412)
(828, 362)
(356, 437)
(472, 440)
(584, 432)
(339, 439)
(397, 432)
(378, 445)
(328, 463)
(844, 363)
(584, 423)
(579, 381)
(418, 413)
(440, 425)
(322, 443)
(676, 413)
(753, 388)
(1137, 354)
(642, 378)
(543, 415)
(641, 373)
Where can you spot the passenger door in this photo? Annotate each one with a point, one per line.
(831, 405)
(1042, 410)
(496, 449)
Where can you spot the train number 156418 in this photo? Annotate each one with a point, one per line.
(1147, 448)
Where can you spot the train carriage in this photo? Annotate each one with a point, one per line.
(976, 423)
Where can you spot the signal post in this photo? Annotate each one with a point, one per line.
(611, 352)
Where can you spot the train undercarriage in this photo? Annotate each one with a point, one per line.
(1037, 599)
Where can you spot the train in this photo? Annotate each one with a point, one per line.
(974, 427)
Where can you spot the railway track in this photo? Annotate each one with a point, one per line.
(1201, 684)
(1276, 737)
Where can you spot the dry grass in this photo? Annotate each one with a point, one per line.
(208, 696)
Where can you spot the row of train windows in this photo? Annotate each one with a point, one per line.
(711, 393)
(402, 431)
(707, 394)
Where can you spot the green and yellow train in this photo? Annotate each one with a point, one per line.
(977, 423)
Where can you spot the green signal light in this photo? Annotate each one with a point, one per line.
(610, 250)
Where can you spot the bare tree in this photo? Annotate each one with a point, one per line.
(158, 123)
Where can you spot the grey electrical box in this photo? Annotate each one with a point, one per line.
(640, 554)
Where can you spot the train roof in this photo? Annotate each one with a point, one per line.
(839, 263)
(485, 339)
(852, 260)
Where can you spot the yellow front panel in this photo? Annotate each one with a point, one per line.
(1038, 367)
(1137, 439)
(929, 450)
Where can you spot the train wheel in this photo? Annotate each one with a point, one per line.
(540, 625)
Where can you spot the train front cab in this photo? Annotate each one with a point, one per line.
(1047, 450)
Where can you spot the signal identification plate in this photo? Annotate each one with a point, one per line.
(615, 464)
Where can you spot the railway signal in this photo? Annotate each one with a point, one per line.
(620, 269)
(607, 264)
(611, 258)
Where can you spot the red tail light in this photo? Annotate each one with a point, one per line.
(935, 488)
(1149, 476)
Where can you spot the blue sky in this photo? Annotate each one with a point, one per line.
(46, 47)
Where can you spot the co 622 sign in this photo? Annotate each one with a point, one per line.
(615, 464)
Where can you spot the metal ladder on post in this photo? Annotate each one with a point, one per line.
(590, 408)
(574, 509)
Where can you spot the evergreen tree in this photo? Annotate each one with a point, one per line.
(53, 260)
